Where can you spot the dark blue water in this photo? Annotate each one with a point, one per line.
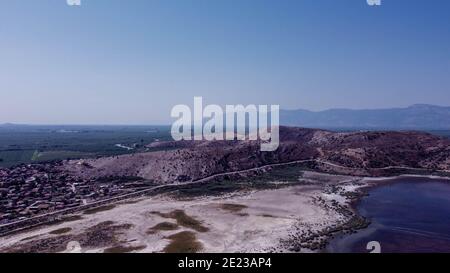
(410, 215)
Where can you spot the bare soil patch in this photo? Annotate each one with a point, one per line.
(101, 235)
(183, 242)
(123, 249)
(60, 231)
(99, 209)
(164, 226)
(184, 220)
(233, 207)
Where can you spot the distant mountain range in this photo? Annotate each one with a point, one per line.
(419, 116)
(415, 117)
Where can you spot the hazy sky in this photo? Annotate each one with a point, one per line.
(130, 61)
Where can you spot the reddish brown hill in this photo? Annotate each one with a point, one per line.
(363, 151)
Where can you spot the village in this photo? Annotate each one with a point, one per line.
(36, 189)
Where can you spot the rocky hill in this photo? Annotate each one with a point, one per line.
(357, 153)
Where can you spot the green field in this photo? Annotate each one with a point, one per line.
(33, 144)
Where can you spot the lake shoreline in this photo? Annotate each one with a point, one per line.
(371, 184)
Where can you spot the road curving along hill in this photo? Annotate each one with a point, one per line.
(351, 153)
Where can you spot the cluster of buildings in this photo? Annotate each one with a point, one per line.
(31, 190)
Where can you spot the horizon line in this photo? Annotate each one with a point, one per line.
(168, 123)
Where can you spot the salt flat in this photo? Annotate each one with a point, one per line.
(250, 221)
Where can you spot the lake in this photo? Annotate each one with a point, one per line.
(407, 215)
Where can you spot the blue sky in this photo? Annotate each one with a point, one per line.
(129, 62)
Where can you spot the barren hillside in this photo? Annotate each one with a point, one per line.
(364, 152)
